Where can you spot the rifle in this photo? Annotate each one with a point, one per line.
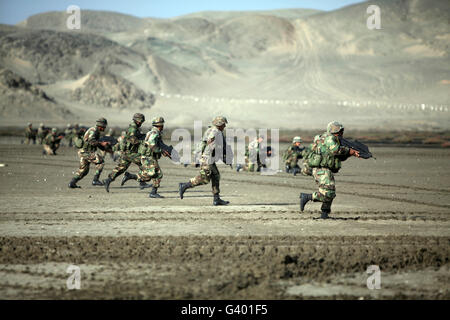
(111, 142)
(169, 152)
(358, 146)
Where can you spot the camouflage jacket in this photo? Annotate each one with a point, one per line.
(327, 143)
(327, 152)
(42, 132)
(293, 151)
(212, 139)
(90, 140)
(51, 140)
(30, 132)
(150, 146)
(133, 139)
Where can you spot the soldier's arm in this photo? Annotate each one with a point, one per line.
(134, 136)
(153, 142)
(91, 139)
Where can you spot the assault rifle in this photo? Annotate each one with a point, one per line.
(111, 141)
(169, 152)
(358, 146)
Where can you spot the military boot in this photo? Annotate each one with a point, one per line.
(106, 183)
(304, 198)
(73, 183)
(182, 187)
(96, 181)
(154, 193)
(238, 167)
(143, 185)
(128, 176)
(219, 202)
(326, 209)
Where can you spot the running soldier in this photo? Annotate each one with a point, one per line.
(130, 153)
(51, 142)
(324, 159)
(88, 154)
(292, 155)
(150, 151)
(212, 140)
(30, 134)
(42, 133)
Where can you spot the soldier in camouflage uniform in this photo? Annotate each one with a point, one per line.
(253, 155)
(51, 142)
(323, 159)
(212, 139)
(88, 154)
(292, 155)
(150, 152)
(42, 133)
(130, 153)
(30, 134)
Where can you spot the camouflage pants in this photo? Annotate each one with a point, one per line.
(29, 139)
(50, 150)
(327, 190)
(291, 162)
(86, 158)
(208, 172)
(126, 159)
(150, 170)
(250, 166)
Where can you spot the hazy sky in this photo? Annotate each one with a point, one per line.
(14, 11)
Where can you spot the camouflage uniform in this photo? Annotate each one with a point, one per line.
(212, 140)
(30, 134)
(252, 156)
(150, 154)
(51, 143)
(88, 154)
(130, 152)
(42, 133)
(292, 155)
(323, 159)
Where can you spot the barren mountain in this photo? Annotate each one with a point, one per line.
(266, 65)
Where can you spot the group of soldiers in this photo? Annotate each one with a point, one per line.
(321, 159)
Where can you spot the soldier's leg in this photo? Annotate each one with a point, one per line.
(202, 178)
(327, 190)
(215, 180)
(251, 167)
(99, 162)
(122, 166)
(48, 150)
(84, 167)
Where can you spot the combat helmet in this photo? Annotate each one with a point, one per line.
(102, 122)
(297, 139)
(139, 117)
(219, 121)
(157, 121)
(54, 130)
(334, 127)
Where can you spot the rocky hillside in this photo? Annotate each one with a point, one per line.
(242, 62)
